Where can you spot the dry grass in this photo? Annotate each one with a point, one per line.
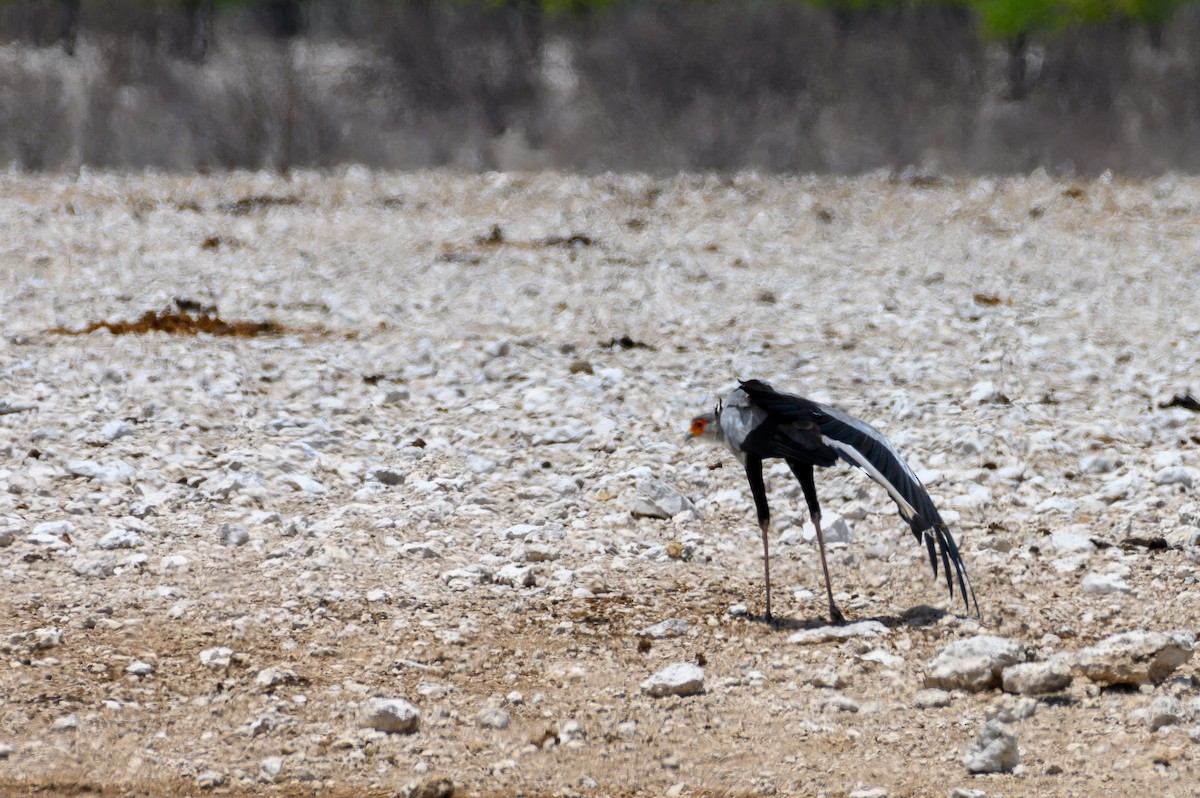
(181, 323)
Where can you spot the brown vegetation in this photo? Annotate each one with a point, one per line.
(182, 323)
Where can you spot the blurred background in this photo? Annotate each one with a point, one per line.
(828, 86)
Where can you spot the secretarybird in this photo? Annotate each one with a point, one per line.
(757, 422)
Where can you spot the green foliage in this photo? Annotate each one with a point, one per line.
(1011, 18)
(1006, 19)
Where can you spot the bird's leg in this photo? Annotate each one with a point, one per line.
(759, 490)
(804, 473)
(765, 525)
(835, 615)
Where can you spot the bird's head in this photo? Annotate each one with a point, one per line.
(706, 425)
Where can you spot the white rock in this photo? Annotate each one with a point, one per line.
(1121, 488)
(1036, 677)
(534, 552)
(234, 535)
(41, 639)
(115, 429)
(481, 465)
(680, 678)
(568, 431)
(931, 698)
(1069, 565)
(520, 531)
(1164, 710)
(208, 779)
(385, 475)
(493, 718)
(883, 657)
(839, 702)
(51, 532)
(1070, 543)
(1057, 504)
(139, 668)
(1174, 475)
(1136, 657)
(114, 473)
(672, 627)
(274, 676)
(1184, 536)
(823, 634)
(120, 539)
(1096, 464)
(869, 792)
(1012, 709)
(392, 715)
(218, 657)
(303, 484)
(67, 723)
(420, 551)
(516, 575)
(660, 500)
(834, 529)
(986, 392)
(966, 792)
(1104, 584)
(6, 751)
(994, 752)
(94, 567)
(973, 664)
(270, 768)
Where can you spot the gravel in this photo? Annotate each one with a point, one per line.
(456, 473)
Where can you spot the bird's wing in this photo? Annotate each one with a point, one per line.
(865, 447)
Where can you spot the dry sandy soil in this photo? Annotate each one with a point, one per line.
(418, 482)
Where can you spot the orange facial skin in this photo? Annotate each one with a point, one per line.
(698, 426)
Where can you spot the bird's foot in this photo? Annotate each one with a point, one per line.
(835, 615)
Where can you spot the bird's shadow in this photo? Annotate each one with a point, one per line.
(919, 616)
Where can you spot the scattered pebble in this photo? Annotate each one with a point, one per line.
(67, 723)
(392, 715)
(139, 668)
(1136, 658)
(973, 664)
(1104, 584)
(1036, 677)
(1164, 710)
(824, 634)
(994, 752)
(672, 627)
(680, 678)
(219, 657)
(931, 698)
(234, 535)
(208, 779)
(493, 718)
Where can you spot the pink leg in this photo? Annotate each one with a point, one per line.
(835, 615)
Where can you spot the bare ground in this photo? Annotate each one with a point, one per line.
(467, 332)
